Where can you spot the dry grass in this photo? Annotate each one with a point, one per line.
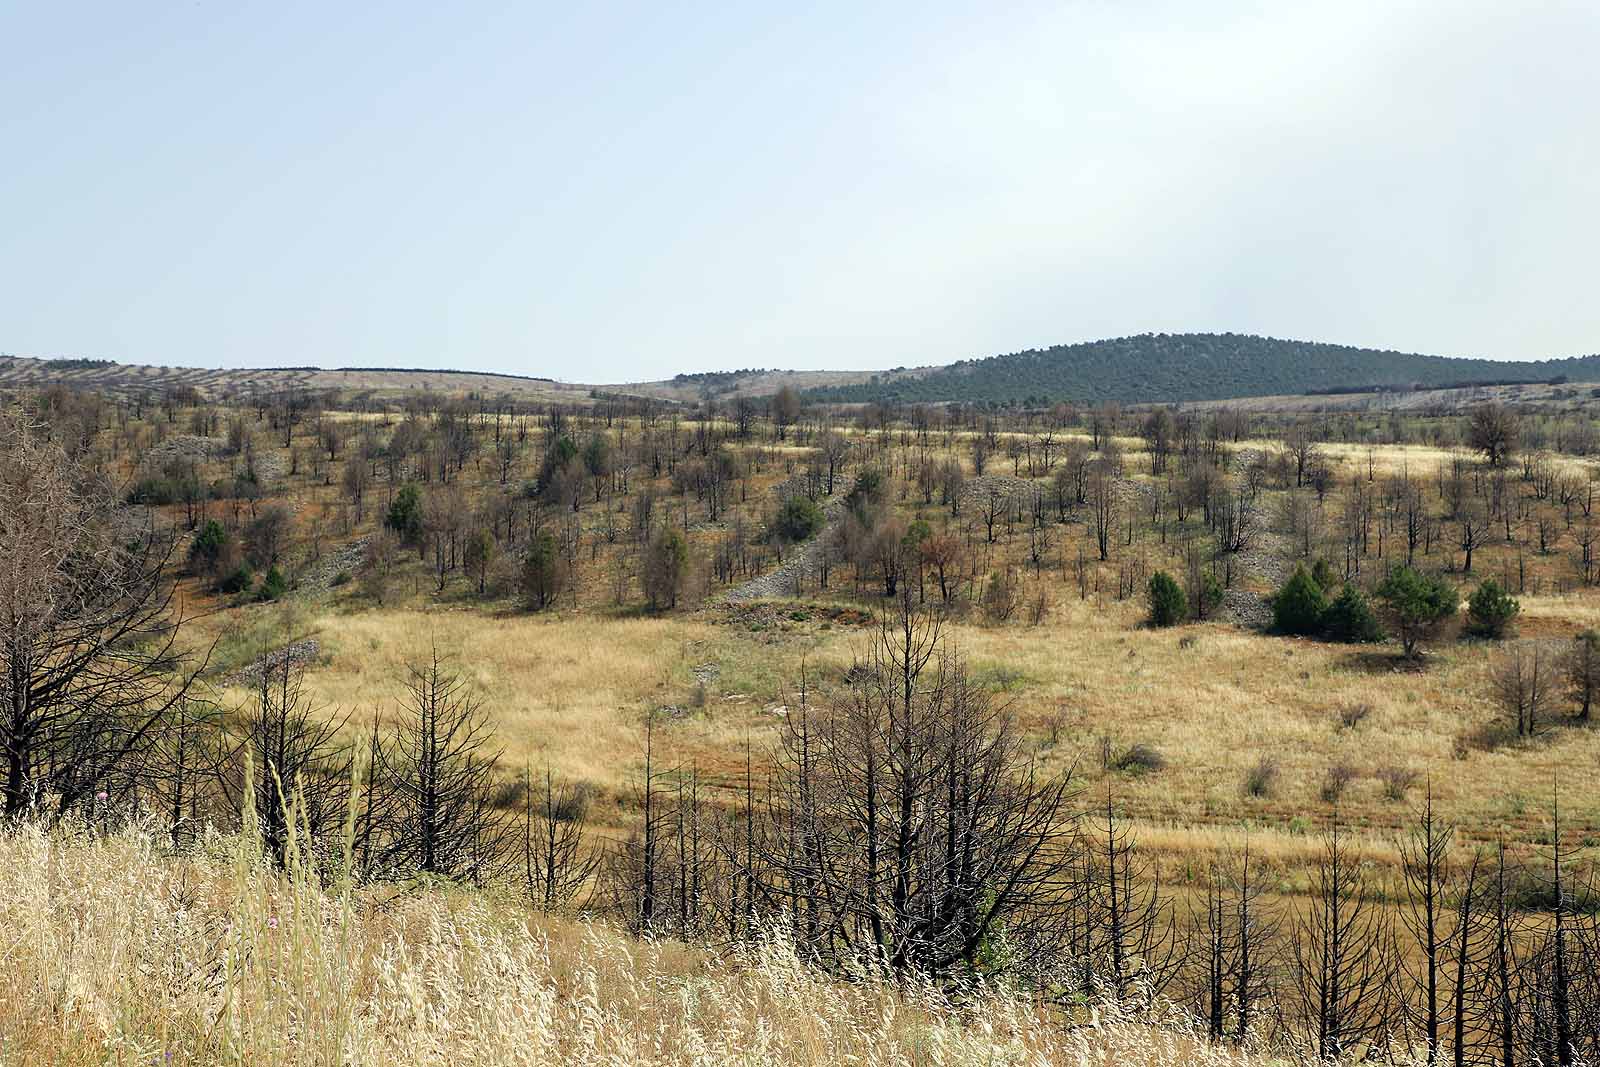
(118, 954)
(572, 689)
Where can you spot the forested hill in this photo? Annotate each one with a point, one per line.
(1190, 366)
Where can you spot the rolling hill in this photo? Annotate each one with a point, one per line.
(1187, 367)
(1148, 368)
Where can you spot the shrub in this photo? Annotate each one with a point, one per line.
(1001, 595)
(1141, 759)
(237, 580)
(405, 514)
(544, 572)
(1349, 618)
(666, 566)
(1335, 781)
(1353, 715)
(1168, 606)
(273, 585)
(798, 519)
(572, 804)
(153, 491)
(1322, 574)
(1397, 781)
(865, 495)
(1260, 779)
(1491, 609)
(1206, 594)
(1417, 605)
(207, 549)
(1298, 607)
(265, 536)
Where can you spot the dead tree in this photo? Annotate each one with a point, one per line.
(1429, 924)
(633, 871)
(1237, 959)
(439, 768)
(913, 828)
(1134, 948)
(1344, 956)
(557, 865)
(288, 747)
(1522, 682)
(1102, 506)
(90, 667)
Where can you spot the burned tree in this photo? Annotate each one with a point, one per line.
(1236, 958)
(1131, 945)
(89, 661)
(913, 829)
(1344, 955)
(440, 767)
(289, 759)
(556, 865)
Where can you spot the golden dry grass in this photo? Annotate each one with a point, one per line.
(571, 689)
(116, 953)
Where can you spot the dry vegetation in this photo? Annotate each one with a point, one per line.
(116, 952)
(1210, 740)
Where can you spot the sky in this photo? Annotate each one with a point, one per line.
(606, 192)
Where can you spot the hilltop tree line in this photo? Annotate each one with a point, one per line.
(1169, 368)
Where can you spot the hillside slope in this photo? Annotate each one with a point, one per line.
(1191, 366)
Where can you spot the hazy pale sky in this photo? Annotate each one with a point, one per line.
(607, 192)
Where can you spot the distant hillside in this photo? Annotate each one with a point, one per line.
(1190, 366)
(130, 379)
(1143, 369)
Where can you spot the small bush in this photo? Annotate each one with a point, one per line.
(273, 585)
(508, 794)
(1397, 781)
(1038, 607)
(1001, 595)
(666, 567)
(866, 494)
(798, 519)
(1260, 779)
(1350, 618)
(207, 549)
(1141, 759)
(1298, 607)
(1168, 605)
(1322, 574)
(405, 514)
(342, 578)
(1335, 781)
(1491, 609)
(544, 573)
(1205, 593)
(237, 580)
(1352, 715)
(572, 803)
(154, 492)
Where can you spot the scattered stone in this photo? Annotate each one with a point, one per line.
(185, 448)
(1244, 608)
(346, 559)
(294, 654)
